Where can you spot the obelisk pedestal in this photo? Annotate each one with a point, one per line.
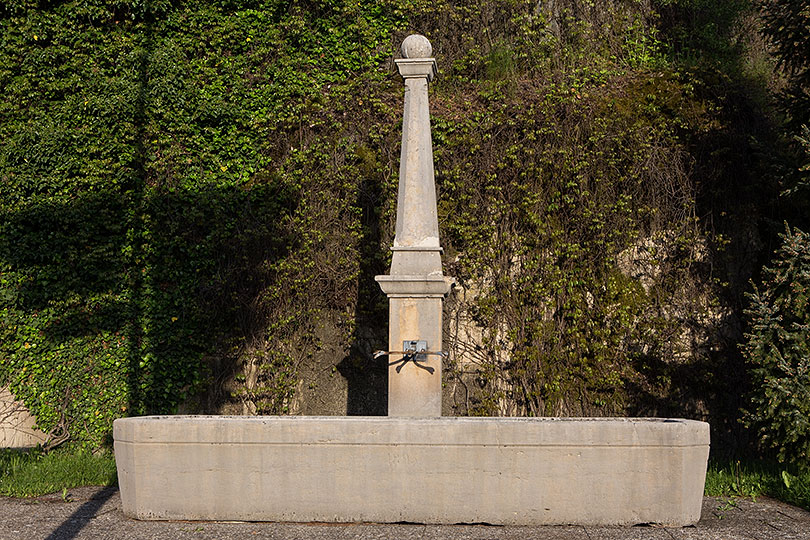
(415, 287)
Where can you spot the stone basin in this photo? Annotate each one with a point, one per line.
(509, 471)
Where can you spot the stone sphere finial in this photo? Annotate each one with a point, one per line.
(416, 46)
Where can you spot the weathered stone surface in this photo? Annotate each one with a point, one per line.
(416, 46)
(415, 385)
(17, 424)
(517, 471)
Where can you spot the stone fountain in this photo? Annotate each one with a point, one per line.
(416, 286)
(414, 465)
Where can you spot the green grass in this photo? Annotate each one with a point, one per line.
(752, 479)
(32, 473)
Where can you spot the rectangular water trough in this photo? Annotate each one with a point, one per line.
(510, 471)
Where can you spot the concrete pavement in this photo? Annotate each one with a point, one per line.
(95, 513)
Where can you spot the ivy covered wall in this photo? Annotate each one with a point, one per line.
(191, 191)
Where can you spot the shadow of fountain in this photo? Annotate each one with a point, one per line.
(367, 379)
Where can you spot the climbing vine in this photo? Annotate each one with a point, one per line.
(191, 191)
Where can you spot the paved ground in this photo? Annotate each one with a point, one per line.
(95, 513)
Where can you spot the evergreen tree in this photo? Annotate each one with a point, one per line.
(778, 349)
(787, 24)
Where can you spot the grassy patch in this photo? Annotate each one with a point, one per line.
(752, 479)
(32, 473)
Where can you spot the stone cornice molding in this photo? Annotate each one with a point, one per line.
(411, 68)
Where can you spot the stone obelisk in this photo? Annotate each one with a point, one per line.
(415, 285)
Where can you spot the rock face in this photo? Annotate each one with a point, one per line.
(17, 424)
